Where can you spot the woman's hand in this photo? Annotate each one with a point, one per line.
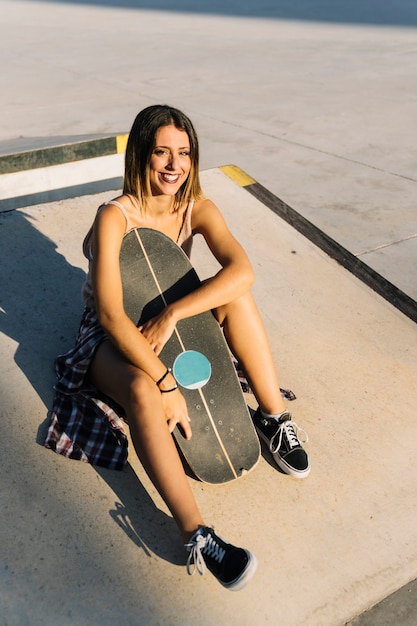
(176, 412)
(159, 329)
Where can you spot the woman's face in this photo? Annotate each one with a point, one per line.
(170, 162)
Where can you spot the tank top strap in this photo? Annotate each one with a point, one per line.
(123, 210)
(185, 237)
(87, 243)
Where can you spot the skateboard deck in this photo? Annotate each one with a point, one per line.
(156, 272)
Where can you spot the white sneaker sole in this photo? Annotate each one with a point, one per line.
(245, 577)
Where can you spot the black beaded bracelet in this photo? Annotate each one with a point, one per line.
(158, 382)
(169, 390)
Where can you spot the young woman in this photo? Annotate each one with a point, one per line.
(115, 368)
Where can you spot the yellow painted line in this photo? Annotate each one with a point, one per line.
(121, 143)
(239, 176)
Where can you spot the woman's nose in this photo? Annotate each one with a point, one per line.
(173, 162)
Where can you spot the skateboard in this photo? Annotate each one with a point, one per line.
(155, 272)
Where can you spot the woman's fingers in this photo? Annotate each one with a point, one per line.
(183, 424)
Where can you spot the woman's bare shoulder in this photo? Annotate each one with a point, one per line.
(123, 201)
(110, 222)
(203, 203)
(205, 214)
(120, 207)
(204, 207)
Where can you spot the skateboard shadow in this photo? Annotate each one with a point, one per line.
(40, 310)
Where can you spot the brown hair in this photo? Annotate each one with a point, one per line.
(139, 149)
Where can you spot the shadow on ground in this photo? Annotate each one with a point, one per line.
(149, 528)
(40, 300)
(40, 309)
(387, 13)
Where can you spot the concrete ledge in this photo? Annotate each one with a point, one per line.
(58, 172)
(56, 155)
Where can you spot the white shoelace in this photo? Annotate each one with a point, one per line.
(293, 432)
(196, 560)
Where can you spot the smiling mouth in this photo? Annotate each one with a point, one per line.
(170, 178)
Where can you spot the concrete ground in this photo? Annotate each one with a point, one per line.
(97, 546)
(320, 109)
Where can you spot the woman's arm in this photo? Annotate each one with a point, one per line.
(233, 279)
(108, 232)
(236, 275)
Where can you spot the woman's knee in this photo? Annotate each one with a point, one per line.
(224, 312)
(141, 388)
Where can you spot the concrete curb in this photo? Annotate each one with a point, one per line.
(349, 261)
(59, 172)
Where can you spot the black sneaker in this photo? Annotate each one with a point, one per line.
(233, 567)
(282, 437)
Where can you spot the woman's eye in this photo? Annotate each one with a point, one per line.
(161, 152)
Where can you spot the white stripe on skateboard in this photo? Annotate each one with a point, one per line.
(145, 254)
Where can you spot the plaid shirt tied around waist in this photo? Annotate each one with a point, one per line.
(85, 424)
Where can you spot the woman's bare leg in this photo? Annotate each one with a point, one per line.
(245, 333)
(138, 394)
(141, 400)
